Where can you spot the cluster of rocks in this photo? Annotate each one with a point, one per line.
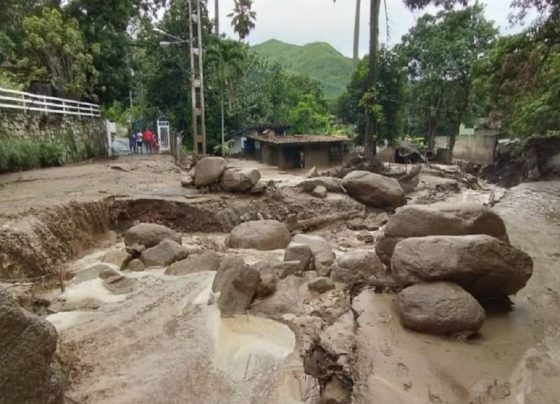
(448, 258)
(213, 174)
(371, 189)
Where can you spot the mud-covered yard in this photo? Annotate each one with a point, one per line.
(158, 337)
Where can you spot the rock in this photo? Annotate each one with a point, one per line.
(374, 189)
(87, 274)
(334, 392)
(322, 252)
(312, 173)
(267, 284)
(301, 253)
(28, 372)
(187, 181)
(150, 235)
(81, 304)
(135, 250)
(120, 285)
(228, 266)
(332, 184)
(439, 308)
(116, 257)
(135, 265)
(207, 261)
(259, 188)
(481, 264)
(286, 268)
(239, 179)
(319, 192)
(455, 219)
(165, 253)
(260, 235)
(357, 264)
(369, 223)
(209, 170)
(107, 272)
(236, 295)
(321, 284)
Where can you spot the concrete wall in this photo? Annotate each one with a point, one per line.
(475, 148)
(316, 155)
(83, 136)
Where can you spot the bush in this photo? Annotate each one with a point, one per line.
(26, 154)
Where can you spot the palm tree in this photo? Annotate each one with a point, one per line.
(227, 58)
(356, 55)
(217, 17)
(243, 18)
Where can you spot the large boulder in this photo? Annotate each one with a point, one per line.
(322, 251)
(301, 253)
(374, 189)
(207, 261)
(228, 266)
(260, 235)
(481, 264)
(439, 308)
(165, 253)
(209, 170)
(357, 264)
(332, 184)
(237, 290)
(116, 257)
(28, 373)
(239, 179)
(150, 235)
(319, 192)
(455, 219)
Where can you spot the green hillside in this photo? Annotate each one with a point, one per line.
(318, 60)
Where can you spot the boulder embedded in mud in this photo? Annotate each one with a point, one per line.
(120, 285)
(107, 272)
(481, 264)
(260, 235)
(287, 268)
(135, 265)
(209, 170)
(28, 373)
(150, 235)
(228, 266)
(300, 252)
(332, 184)
(321, 284)
(267, 284)
(439, 308)
(322, 251)
(237, 294)
(357, 264)
(319, 192)
(187, 181)
(374, 189)
(165, 253)
(239, 179)
(259, 188)
(116, 257)
(207, 261)
(455, 219)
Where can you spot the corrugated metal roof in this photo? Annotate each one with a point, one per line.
(295, 139)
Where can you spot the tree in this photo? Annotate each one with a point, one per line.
(440, 52)
(243, 18)
(227, 59)
(55, 51)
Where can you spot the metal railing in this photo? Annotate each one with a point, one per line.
(11, 99)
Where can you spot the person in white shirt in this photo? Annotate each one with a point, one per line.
(139, 143)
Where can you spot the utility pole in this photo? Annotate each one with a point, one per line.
(197, 78)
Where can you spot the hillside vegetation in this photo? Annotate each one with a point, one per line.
(317, 60)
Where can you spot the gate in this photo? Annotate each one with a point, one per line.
(163, 135)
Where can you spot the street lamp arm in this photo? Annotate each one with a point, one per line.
(162, 32)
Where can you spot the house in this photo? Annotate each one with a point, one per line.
(236, 140)
(288, 152)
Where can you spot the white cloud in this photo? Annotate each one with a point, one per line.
(303, 21)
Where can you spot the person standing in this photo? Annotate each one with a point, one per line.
(148, 139)
(132, 142)
(139, 143)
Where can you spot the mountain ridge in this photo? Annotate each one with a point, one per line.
(318, 60)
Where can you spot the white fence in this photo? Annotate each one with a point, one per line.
(11, 99)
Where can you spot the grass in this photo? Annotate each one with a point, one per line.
(318, 60)
(26, 154)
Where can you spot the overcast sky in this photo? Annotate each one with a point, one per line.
(303, 21)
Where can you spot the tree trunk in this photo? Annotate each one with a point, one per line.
(371, 124)
(222, 123)
(217, 17)
(356, 55)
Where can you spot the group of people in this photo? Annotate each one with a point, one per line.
(140, 140)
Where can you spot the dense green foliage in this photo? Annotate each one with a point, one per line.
(319, 61)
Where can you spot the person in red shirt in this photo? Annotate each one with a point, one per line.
(148, 138)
